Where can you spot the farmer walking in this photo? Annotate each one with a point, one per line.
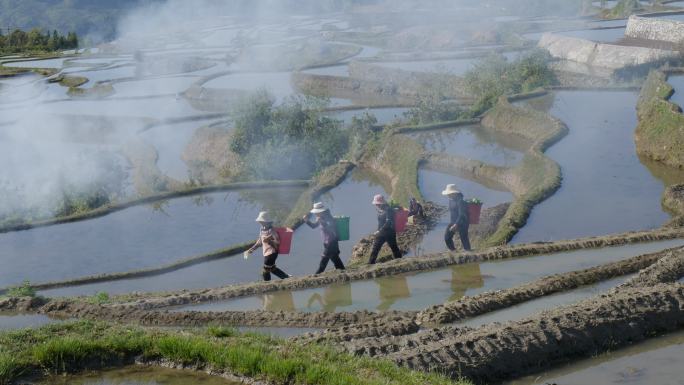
(269, 242)
(458, 210)
(331, 245)
(386, 231)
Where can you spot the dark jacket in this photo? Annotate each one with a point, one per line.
(458, 210)
(385, 219)
(328, 228)
(416, 209)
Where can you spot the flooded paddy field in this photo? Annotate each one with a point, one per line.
(417, 291)
(608, 178)
(9, 321)
(137, 376)
(119, 242)
(473, 142)
(346, 199)
(151, 94)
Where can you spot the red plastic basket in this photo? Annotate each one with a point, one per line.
(285, 234)
(401, 220)
(474, 210)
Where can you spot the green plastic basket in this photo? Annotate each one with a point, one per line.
(342, 224)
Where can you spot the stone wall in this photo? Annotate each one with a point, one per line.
(649, 28)
(608, 56)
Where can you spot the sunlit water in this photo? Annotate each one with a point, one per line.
(137, 238)
(416, 291)
(351, 198)
(605, 188)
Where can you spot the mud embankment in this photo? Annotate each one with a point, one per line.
(408, 265)
(410, 83)
(669, 268)
(387, 85)
(500, 351)
(147, 177)
(469, 307)
(209, 157)
(660, 132)
(673, 199)
(70, 309)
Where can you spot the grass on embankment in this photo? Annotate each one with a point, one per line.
(72, 347)
(659, 135)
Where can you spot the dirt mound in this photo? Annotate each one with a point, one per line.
(468, 307)
(209, 157)
(499, 351)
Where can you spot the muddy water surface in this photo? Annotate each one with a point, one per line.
(419, 290)
(473, 142)
(383, 115)
(605, 189)
(352, 198)
(529, 308)
(656, 361)
(136, 238)
(137, 376)
(22, 321)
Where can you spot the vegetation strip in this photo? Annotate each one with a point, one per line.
(73, 347)
(109, 209)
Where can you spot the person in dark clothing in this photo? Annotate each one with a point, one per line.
(269, 242)
(386, 231)
(459, 221)
(331, 246)
(416, 209)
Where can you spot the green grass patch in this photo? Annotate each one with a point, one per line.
(25, 290)
(72, 347)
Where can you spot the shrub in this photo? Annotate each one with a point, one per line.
(288, 141)
(25, 290)
(495, 76)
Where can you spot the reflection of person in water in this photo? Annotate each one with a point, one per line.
(333, 297)
(278, 301)
(464, 277)
(392, 289)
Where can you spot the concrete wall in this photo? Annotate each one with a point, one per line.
(650, 28)
(601, 55)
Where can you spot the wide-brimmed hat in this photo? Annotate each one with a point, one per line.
(264, 217)
(318, 208)
(450, 189)
(379, 200)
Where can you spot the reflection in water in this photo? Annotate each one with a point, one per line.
(138, 376)
(12, 321)
(278, 301)
(474, 142)
(464, 277)
(332, 298)
(416, 291)
(656, 361)
(391, 290)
